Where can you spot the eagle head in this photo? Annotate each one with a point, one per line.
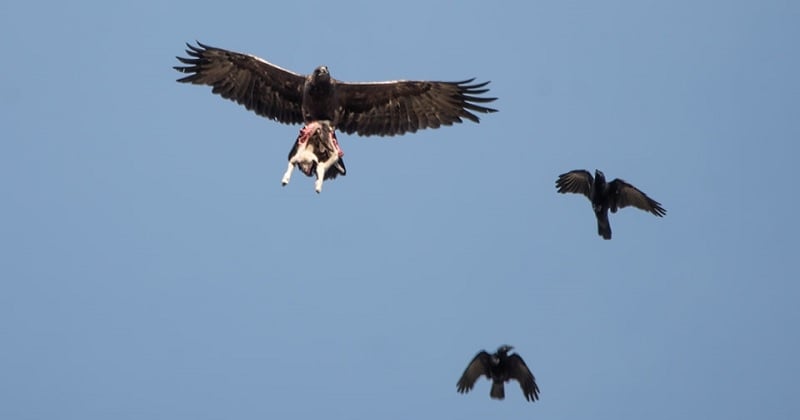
(322, 74)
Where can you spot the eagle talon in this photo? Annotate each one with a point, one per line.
(324, 104)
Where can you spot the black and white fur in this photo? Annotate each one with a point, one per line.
(316, 152)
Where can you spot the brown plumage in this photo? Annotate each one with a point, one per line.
(367, 109)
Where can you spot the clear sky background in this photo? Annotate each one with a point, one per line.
(152, 267)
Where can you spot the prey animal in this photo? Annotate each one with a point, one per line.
(316, 153)
(385, 108)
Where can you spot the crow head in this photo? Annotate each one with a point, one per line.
(504, 349)
(599, 176)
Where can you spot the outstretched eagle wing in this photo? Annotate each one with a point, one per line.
(261, 87)
(397, 107)
(477, 367)
(518, 370)
(578, 181)
(622, 194)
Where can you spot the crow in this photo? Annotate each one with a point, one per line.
(499, 367)
(606, 196)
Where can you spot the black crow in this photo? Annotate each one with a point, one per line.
(500, 368)
(604, 196)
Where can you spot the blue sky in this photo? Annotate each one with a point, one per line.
(152, 267)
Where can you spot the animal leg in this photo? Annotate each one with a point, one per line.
(288, 174)
(318, 182)
(322, 168)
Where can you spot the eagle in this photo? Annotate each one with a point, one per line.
(499, 367)
(367, 109)
(605, 196)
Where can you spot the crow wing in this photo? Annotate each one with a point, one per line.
(261, 87)
(477, 367)
(578, 181)
(518, 370)
(397, 107)
(622, 194)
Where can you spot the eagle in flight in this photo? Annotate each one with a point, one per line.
(367, 109)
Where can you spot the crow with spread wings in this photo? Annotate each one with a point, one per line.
(499, 367)
(367, 109)
(606, 196)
